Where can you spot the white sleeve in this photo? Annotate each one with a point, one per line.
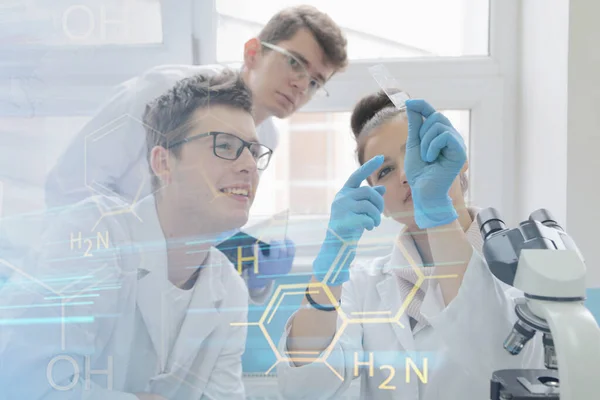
(113, 143)
(318, 380)
(45, 346)
(268, 134)
(102, 151)
(478, 321)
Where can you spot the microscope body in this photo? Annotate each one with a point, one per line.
(543, 262)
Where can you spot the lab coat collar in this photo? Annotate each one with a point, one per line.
(154, 286)
(180, 374)
(391, 301)
(203, 314)
(433, 302)
(405, 254)
(474, 232)
(405, 251)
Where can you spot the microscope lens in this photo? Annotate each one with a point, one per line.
(550, 360)
(517, 339)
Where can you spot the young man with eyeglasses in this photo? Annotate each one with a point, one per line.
(288, 63)
(154, 311)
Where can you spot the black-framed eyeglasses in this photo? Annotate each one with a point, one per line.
(230, 147)
(298, 68)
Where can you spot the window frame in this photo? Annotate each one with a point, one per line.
(485, 85)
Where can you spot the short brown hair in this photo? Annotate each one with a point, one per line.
(287, 22)
(371, 112)
(168, 118)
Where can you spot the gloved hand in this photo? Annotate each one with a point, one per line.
(435, 155)
(278, 262)
(354, 209)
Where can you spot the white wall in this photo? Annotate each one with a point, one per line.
(583, 141)
(559, 119)
(542, 139)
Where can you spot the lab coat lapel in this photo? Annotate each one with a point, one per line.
(389, 288)
(404, 253)
(184, 380)
(152, 274)
(203, 315)
(391, 301)
(473, 233)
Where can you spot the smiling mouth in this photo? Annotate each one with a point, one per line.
(236, 191)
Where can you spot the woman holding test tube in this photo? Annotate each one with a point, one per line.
(449, 336)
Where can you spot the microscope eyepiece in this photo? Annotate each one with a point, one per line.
(490, 222)
(545, 217)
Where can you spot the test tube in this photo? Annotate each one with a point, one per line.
(389, 85)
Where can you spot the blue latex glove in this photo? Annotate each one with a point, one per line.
(279, 262)
(354, 209)
(435, 155)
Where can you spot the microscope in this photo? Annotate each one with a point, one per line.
(541, 260)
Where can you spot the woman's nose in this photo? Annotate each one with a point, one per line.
(403, 178)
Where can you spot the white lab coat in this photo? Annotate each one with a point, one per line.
(462, 345)
(120, 286)
(109, 155)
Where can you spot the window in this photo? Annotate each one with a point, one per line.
(82, 22)
(30, 147)
(398, 29)
(457, 54)
(93, 39)
(314, 159)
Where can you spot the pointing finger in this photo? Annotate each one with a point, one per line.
(364, 172)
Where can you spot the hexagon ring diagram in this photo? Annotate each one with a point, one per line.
(295, 289)
(110, 167)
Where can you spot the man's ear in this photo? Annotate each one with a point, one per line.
(159, 162)
(252, 52)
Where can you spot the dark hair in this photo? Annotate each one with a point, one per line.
(168, 118)
(284, 25)
(371, 112)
